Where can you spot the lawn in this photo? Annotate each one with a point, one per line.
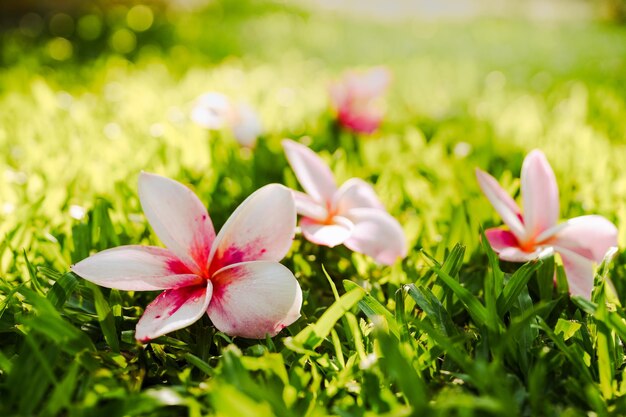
(450, 330)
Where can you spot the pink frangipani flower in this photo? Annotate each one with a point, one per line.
(356, 99)
(234, 277)
(580, 242)
(215, 111)
(351, 214)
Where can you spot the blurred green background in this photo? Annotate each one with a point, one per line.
(91, 93)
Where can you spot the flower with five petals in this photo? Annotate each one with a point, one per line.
(234, 277)
(351, 214)
(356, 99)
(215, 111)
(580, 242)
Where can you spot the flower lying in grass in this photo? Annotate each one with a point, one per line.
(234, 277)
(351, 214)
(580, 241)
(215, 111)
(356, 99)
(212, 111)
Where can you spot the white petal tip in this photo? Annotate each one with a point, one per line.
(610, 254)
(546, 253)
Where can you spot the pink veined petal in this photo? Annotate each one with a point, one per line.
(261, 229)
(136, 268)
(505, 244)
(588, 236)
(502, 203)
(540, 194)
(252, 299)
(376, 234)
(173, 310)
(178, 218)
(312, 173)
(327, 234)
(579, 272)
(500, 239)
(306, 206)
(356, 193)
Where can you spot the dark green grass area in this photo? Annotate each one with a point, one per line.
(449, 331)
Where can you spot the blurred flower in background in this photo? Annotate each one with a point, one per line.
(246, 125)
(212, 111)
(357, 99)
(215, 111)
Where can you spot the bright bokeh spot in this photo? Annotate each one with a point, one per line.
(140, 18)
(60, 49)
(123, 41)
(89, 27)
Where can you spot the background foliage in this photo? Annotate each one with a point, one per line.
(89, 97)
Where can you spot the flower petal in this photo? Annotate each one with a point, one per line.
(327, 234)
(579, 272)
(306, 206)
(359, 86)
(505, 244)
(356, 193)
(252, 299)
(502, 203)
(178, 218)
(246, 125)
(136, 268)
(372, 83)
(173, 310)
(376, 234)
(212, 111)
(588, 236)
(312, 173)
(540, 194)
(500, 239)
(364, 121)
(261, 229)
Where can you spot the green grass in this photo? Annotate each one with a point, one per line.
(447, 332)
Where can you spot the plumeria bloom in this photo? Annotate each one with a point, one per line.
(246, 126)
(215, 111)
(580, 242)
(234, 277)
(356, 99)
(351, 214)
(212, 111)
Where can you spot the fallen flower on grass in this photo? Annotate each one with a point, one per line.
(351, 214)
(580, 242)
(215, 111)
(234, 277)
(212, 111)
(356, 99)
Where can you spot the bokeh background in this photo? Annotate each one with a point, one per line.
(92, 93)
